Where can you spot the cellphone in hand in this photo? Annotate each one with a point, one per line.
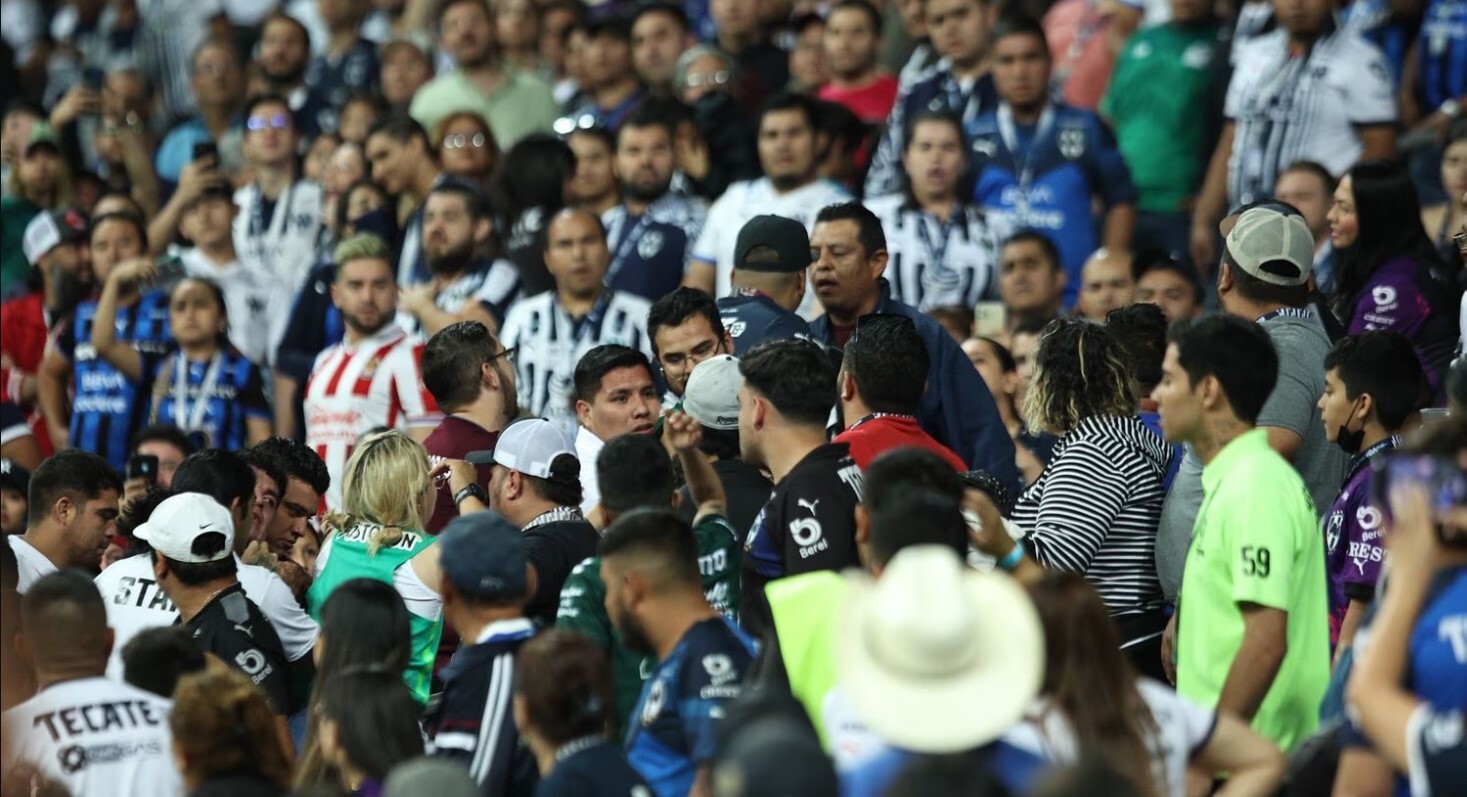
(170, 270)
(94, 78)
(990, 319)
(205, 149)
(1443, 480)
(142, 466)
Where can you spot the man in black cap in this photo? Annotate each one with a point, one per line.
(15, 483)
(770, 258)
(486, 581)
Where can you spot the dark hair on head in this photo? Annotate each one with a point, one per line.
(222, 475)
(1383, 365)
(156, 658)
(664, 112)
(74, 474)
(269, 98)
(1019, 24)
(788, 101)
(659, 535)
(601, 133)
(1238, 353)
(617, 24)
(1034, 326)
(63, 613)
(279, 15)
(1044, 242)
(376, 718)
(841, 126)
(1389, 214)
(1080, 371)
(402, 128)
(164, 433)
(917, 517)
(1316, 170)
(1149, 260)
(872, 237)
(221, 337)
(533, 175)
(1256, 290)
(222, 724)
(889, 362)
(795, 376)
(1006, 361)
(196, 574)
(269, 466)
(343, 207)
(563, 487)
(136, 512)
(1456, 129)
(444, 6)
(298, 461)
(476, 202)
(453, 363)
(936, 117)
(960, 773)
(902, 470)
(721, 443)
(864, 6)
(660, 7)
(595, 364)
(634, 471)
(565, 680)
(132, 220)
(371, 99)
(1141, 331)
(677, 307)
(1089, 681)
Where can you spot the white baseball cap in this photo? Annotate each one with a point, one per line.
(712, 395)
(932, 636)
(178, 523)
(530, 446)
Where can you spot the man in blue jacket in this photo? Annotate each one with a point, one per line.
(849, 251)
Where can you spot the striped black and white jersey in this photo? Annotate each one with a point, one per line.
(937, 264)
(680, 210)
(549, 343)
(1095, 508)
(1306, 107)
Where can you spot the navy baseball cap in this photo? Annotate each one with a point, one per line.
(483, 557)
(14, 476)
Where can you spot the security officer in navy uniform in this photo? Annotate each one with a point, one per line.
(770, 259)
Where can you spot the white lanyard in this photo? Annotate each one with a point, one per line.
(626, 238)
(191, 419)
(262, 238)
(1009, 131)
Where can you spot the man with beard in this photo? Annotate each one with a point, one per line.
(660, 34)
(514, 103)
(73, 510)
(652, 230)
(464, 286)
(790, 146)
(284, 54)
(471, 376)
(553, 330)
(371, 378)
(55, 244)
(654, 596)
(403, 165)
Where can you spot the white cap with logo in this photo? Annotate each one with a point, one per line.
(530, 446)
(712, 394)
(178, 523)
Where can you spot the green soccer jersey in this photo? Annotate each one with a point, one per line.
(583, 608)
(1158, 92)
(1256, 541)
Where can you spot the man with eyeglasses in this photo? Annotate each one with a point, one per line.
(685, 329)
(279, 217)
(652, 229)
(471, 376)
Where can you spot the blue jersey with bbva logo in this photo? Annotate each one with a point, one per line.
(1044, 177)
(109, 408)
(671, 731)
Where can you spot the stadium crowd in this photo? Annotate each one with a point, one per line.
(733, 397)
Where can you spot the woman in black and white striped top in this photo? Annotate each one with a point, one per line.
(1095, 507)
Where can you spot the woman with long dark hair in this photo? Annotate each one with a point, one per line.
(1389, 275)
(531, 187)
(1095, 507)
(1092, 705)
(1444, 221)
(368, 725)
(363, 624)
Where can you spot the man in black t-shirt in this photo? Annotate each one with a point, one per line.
(192, 539)
(809, 522)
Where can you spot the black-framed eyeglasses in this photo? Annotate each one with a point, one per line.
(507, 354)
(465, 141)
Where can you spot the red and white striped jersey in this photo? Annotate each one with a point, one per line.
(358, 387)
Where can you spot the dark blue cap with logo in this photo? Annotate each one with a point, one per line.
(483, 557)
(12, 475)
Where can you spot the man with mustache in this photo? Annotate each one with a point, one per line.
(465, 285)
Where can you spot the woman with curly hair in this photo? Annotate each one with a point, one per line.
(1095, 508)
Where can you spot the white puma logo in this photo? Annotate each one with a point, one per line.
(810, 505)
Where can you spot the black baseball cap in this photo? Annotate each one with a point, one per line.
(12, 475)
(786, 237)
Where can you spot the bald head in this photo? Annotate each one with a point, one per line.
(576, 253)
(65, 625)
(1106, 283)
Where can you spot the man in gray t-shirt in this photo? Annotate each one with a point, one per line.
(1264, 276)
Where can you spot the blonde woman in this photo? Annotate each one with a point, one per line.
(387, 493)
(1095, 507)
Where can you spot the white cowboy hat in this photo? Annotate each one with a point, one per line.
(938, 658)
